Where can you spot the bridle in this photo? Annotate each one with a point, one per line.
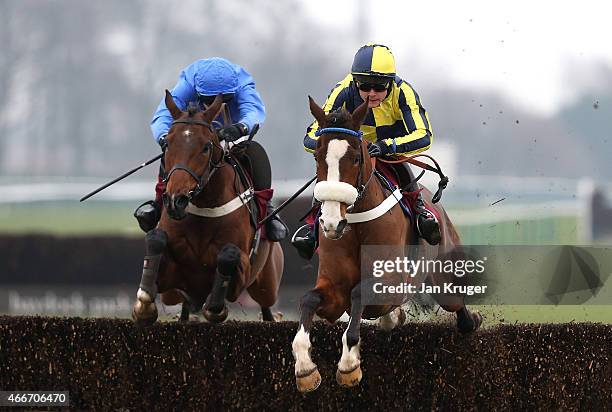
(361, 187)
(211, 167)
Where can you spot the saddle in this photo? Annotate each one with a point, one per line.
(243, 158)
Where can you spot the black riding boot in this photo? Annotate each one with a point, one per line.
(148, 215)
(427, 225)
(276, 230)
(305, 245)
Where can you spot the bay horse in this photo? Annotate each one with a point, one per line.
(351, 216)
(205, 249)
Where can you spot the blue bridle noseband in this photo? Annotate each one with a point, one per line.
(342, 130)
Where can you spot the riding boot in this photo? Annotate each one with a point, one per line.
(148, 215)
(427, 225)
(276, 229)
(305, 245)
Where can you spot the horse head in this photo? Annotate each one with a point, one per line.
(192, 155)
(343, 165)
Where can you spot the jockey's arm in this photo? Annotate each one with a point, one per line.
(250, 106)
(337, 98)
(182, 93)
(416, 122)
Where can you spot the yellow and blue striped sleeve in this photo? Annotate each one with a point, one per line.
(416, 122)
(337, 98)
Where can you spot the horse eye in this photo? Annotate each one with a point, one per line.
(206, 149)
(357, 159)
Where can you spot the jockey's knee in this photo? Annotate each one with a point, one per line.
(228, 260)
(155, 241)
(260, 164)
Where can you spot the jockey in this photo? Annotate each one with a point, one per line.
(201, 82)
(396, 125)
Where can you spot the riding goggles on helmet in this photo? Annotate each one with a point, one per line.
(366, 87)
(208, 100)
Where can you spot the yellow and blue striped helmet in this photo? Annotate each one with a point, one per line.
(374, 60)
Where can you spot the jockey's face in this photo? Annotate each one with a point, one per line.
(370, 90)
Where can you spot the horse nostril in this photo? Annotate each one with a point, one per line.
(341, 225)
(180, 202)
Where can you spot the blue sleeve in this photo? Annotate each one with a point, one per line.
(250, 105)
(183, 93)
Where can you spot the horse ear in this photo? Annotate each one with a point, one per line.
(359, 114)
(172, 107)
(317, 112)
(212, 111)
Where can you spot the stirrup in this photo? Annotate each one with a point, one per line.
(306, 245)
(433, 235)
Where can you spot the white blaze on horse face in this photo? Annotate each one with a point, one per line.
(301, 352)
(350, 358)
(187, 133)
(330, 210)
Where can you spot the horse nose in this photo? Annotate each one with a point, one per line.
(180, 202)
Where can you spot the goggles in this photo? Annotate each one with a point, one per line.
(366, 87)
(207, 100)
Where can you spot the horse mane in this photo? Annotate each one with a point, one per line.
(339, 118)
(192, 109)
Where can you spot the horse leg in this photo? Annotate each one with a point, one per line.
(267, 315)
(349, 368)
(184, 312)
(228, 266)
(264, 289)
(393, 319)
(307, 376)
(467, 321)
(144, 312)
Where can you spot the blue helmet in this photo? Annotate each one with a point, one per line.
(215, 76)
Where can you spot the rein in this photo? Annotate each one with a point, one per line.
(437, 169)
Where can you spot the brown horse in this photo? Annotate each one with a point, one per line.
(205, 249)
(352, 199)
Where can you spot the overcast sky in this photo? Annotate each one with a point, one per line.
(539, 54)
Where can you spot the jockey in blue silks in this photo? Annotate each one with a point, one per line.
(201, 82)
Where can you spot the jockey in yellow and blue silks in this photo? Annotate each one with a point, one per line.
(201, 82)
(396, 125)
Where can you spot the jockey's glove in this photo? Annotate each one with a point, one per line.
(378, 149)
(163, 141)
(233, 132)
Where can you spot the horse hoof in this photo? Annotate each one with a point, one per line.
(309, 382)
(475, 324)
(144, 314)
(477, 318)
(216, 317)
(349, 379)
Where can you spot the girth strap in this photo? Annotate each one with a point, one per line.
(224, 209)
(378, 211)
